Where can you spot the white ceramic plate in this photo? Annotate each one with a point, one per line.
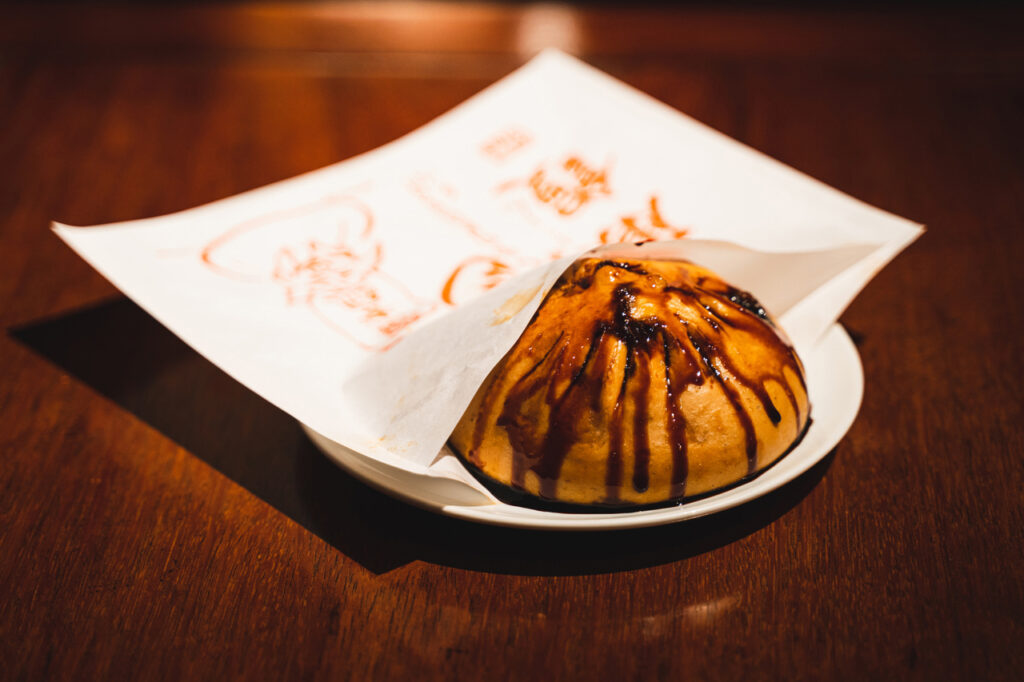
(835, 383)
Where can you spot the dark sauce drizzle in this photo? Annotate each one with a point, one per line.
(570, 386)
(520, 498)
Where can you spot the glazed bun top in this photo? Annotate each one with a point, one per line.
(637, 382)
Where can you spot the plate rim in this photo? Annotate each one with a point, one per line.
(511, 516)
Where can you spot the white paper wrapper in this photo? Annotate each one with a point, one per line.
(370, 299)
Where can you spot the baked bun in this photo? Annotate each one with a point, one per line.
(637, 382)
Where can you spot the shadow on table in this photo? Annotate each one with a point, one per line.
(122, 353)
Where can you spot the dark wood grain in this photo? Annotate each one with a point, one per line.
(158, 521)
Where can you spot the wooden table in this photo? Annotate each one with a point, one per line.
(158, 521)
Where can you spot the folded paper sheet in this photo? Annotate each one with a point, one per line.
(370, 299)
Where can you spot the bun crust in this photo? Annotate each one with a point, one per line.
(637, 382)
